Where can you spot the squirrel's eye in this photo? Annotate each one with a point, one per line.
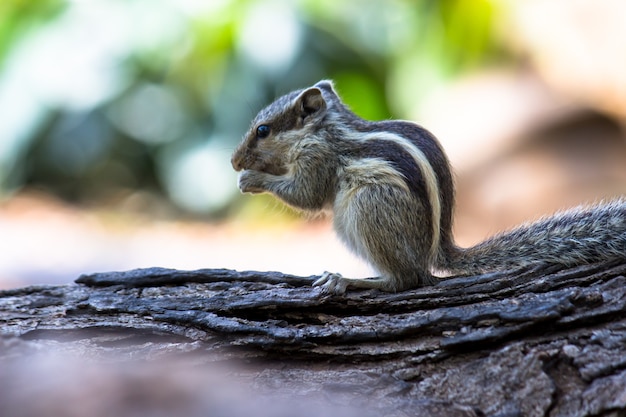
(263, 131)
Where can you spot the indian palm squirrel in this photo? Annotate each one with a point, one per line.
(390, 189)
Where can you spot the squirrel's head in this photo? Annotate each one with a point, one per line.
(275, 132)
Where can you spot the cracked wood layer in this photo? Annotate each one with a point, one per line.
(535, 342)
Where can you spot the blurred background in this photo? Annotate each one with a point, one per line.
(118, 118)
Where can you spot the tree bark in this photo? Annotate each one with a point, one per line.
(533, 342)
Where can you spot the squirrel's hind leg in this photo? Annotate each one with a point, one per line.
(337, 284)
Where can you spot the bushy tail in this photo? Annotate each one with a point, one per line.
(578, 236)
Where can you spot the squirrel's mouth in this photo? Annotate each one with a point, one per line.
(268, 163)
(270, 168)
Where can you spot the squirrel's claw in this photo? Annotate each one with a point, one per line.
(332, 283)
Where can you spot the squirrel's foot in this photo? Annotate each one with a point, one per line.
(332, 283)
(337, 284)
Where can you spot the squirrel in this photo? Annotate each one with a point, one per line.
(390, 189)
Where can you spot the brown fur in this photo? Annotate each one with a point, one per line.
(389, 186)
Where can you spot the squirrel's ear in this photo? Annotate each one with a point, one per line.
(311, 102)
(326, 85)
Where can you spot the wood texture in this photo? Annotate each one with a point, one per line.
(536, 342)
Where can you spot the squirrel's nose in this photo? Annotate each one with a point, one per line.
(236, 162)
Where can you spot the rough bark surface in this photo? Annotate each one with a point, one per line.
(536, 342)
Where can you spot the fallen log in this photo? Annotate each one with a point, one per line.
(533, 342)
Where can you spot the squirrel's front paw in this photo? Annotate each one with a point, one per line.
(332, 283)
(250, 181)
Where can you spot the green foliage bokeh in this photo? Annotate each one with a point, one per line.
(103, 98)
